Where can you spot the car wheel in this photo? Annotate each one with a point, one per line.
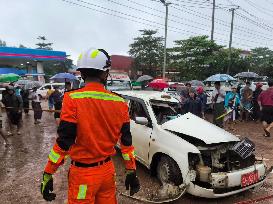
(168, 171)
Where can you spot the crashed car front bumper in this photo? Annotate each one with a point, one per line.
(229, 183)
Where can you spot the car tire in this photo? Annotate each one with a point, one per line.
(168, 171)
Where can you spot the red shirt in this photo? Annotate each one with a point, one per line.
(266, 97)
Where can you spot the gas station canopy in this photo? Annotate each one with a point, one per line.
(31, 59)
(31, 54)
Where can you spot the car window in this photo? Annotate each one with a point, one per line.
(165, 111)
(46, 87)
(136, 110)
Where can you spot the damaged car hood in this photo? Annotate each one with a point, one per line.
(193, 126)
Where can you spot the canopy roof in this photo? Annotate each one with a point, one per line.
(31, 54)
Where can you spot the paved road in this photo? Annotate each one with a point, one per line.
(21, 167)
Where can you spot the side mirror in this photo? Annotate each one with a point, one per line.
(142, 121)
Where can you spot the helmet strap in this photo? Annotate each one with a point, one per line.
(104, 80)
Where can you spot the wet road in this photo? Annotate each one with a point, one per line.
(22, 164)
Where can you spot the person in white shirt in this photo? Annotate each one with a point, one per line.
(36, 105)
(218, 98)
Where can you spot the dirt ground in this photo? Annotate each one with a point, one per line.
(21, 167)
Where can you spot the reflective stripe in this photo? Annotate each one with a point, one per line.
(53, 156)
(80, 57)
(82, 192)
(126, 157)
(96, 95)
(95, 53)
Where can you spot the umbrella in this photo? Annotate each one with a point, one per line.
(144, 78)
(32, 84)
(247, 75)
(220, 77)
(196, 83)
(9, 77)
(158, 84)
(63, 77)
(136, 83)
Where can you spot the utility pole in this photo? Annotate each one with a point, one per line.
(230, 39)
(212, 20)
(166, 4)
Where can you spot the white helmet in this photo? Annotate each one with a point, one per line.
(94, 59)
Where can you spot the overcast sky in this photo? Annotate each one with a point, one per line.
(104, 23)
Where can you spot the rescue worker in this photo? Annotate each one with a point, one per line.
(92, 121)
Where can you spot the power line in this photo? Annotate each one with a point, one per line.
(265, 27)
(218, 21)
(261, 9)
(257, 18)
(173, 29)
(260, 20)
(118, 3)
(257, 36)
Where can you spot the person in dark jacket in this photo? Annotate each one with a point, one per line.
(193, 104)
(36, 106)
(14, 104)
(202, 96)
(256, 107)
(25, 98)
(56, 98)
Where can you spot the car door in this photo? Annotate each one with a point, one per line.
(141, 133)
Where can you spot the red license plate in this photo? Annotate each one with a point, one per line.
(249, 178)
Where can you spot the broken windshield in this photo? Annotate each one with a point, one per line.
(117, 85)
(165, 111)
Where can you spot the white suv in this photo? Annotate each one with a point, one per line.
(187, 150)
(43, 89)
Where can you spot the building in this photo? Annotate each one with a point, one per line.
(28, 62)
(122, 63)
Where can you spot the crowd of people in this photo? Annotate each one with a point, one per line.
(16, 101)
(241, 104)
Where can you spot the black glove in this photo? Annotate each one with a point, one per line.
(132, 182)
(46, 186)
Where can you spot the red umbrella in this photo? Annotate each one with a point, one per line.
(158, 84)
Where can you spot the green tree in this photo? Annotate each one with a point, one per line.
(22, 46)
(195, 57)
(52, 68)
(238, 64)
(261, 61)
(3, 43)
(147, 51)
(42, 44)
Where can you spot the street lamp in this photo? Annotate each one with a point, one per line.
(166, 4)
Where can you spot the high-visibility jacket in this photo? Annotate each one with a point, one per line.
(93, 120)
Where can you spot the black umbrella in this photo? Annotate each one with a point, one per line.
(247, 75)
(144, 78)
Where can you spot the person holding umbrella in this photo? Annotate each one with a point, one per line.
(14, 105)
(56, 99)
(218, 98)
(36, 105)
(25, 98)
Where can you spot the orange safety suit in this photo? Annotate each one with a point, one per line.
(93, 120)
